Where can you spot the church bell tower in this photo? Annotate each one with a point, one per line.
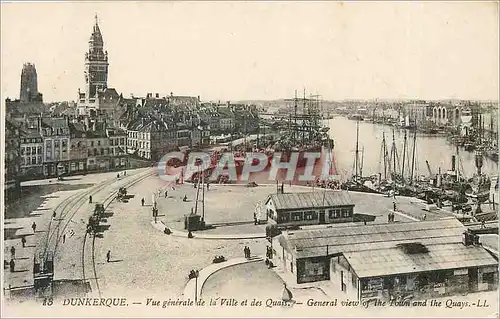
(96, 64)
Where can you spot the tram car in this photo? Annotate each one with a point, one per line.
(93, 223)
(99, 209)
(122, 194)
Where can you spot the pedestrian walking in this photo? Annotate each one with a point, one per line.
(245, 252)
(208, 186)
(64, 238)
(142, 201)
(248, 252)
(33, 226)
(12, 265)
(425, 217)
(166, 194)
(394, 206)
(54, 214)
(108, 256)
(13, 252)
(90, 199)
(125, 173)
(23, 241)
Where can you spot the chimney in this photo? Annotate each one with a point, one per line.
(157, 95)
(469, 238)
(199, 98)
(171, 94)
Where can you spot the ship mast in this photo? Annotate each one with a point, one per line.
(304, 114)
(295, 119)
(357, 152)
(413, 155)
(404, 156)
(384, 154)
(362, 160)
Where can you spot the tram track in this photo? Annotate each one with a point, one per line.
(66, 205)
(69, 207)
(106, 202)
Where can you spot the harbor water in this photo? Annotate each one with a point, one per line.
(432, 148)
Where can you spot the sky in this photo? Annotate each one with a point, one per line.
(266, 50)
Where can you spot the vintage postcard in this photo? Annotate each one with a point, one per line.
(250, 159)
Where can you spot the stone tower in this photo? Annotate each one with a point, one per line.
(29, 84)
(96, 64)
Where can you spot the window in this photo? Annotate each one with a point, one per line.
(283, 218)
(334, 213)
(346, 212)
(297, 216)
(28, 150)
(33, 160)
(39, 150)
(40, 160)
(102, 151)
(56, 143)
(98, 143)
(310, 215)
(22, 150)
(64, 143)
(92, 143)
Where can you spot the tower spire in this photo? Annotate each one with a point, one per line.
(95, 17)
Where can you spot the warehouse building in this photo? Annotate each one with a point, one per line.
(423, 259)
(311, 208)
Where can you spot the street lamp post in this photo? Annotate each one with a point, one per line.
(197, 273)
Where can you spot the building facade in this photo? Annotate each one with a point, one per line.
(56, 138)
(117, 147)
(12, 162)
(313, 208)
(425, 259)
(32, 153)
(79, 149)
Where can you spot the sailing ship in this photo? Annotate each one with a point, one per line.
(305, 132)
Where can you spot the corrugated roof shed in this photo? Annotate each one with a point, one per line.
(309, 243)
(289, 201)
(391, 261)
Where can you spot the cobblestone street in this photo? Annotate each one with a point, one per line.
(41, 198)
(144, 261)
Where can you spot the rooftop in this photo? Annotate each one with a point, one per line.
(288, 201)
(391, 261)
(336, 240)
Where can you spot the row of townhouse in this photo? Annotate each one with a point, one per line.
(52, 146)
(229, 118)
(12, 163)
(152, 137)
